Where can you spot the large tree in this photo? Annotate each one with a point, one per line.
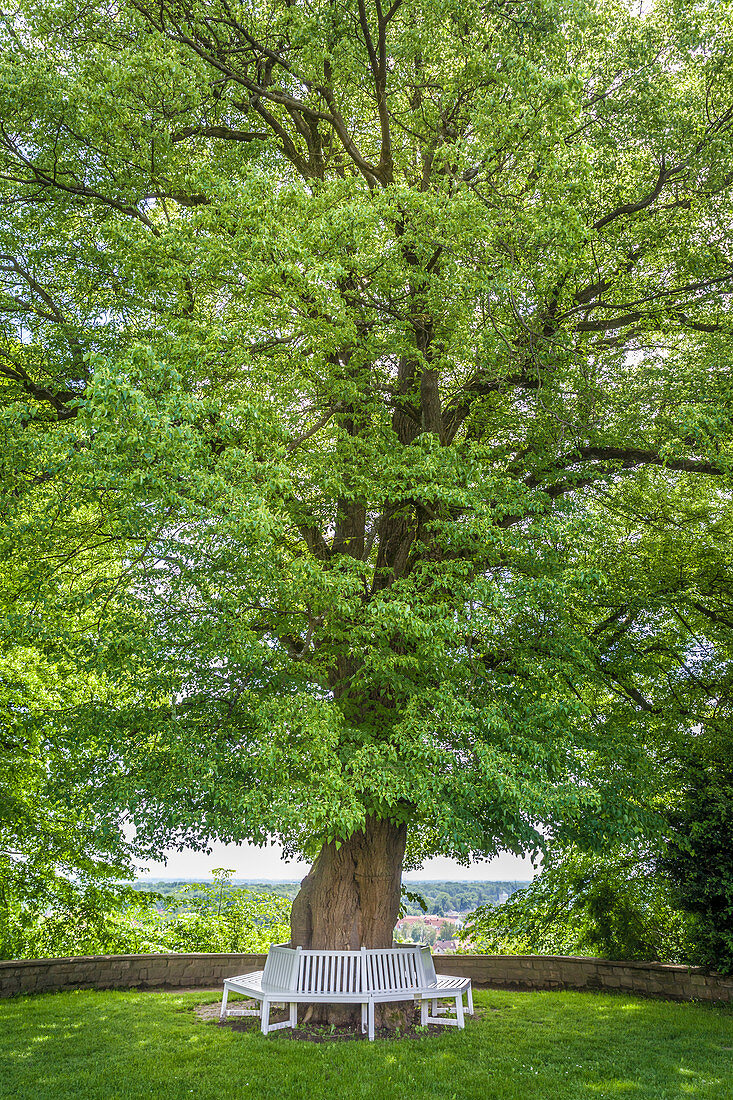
(337, 337)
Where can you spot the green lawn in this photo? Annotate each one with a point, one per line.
(521, 1046)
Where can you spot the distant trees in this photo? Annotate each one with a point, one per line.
(459, 896)
(219, 917)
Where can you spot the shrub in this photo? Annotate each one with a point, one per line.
(614, 906)
(220, 917)
(114, 920)
(699, 860)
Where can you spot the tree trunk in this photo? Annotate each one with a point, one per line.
(351, 896)
(350, 899)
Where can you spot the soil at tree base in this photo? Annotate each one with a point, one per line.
(410, 1028)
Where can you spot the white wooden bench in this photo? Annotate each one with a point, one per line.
(294, 975)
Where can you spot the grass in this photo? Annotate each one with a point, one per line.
(521, 1046)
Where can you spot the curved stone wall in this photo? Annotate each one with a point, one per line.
(525, 972)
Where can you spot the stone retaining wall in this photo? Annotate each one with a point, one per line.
(678, 983)
(681, 983)
(122, 972)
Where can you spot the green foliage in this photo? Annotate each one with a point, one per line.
(421, 932)
(173, 891)
(699, 858)
(71, 920)
(428, 897)
(611, 905)
(59, 850)
(411, 900)
(214, 918)
(365, 418)
(122, 920)
(417, 896)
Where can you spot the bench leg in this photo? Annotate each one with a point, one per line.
(364, 1014)
(265, 1013)
(371, 1021)
(440, 1014)
(223, 1012)
(469, 998)
(294, 1014)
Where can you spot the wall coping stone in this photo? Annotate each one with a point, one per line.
(136, 958)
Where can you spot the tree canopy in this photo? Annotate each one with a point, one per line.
(366, 413)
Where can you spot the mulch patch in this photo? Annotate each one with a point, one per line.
(317, 1033)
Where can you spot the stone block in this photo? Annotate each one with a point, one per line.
(107, 978)
(654, 986)
(47, 985)
(173, 970)
(627, 972)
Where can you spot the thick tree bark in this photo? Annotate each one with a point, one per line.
(350, 899)
(351, 896)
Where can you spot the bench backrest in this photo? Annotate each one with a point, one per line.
(388, 969)
(330, 971)
(281, 968)
(392, 970)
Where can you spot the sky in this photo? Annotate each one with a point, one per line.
(250, 862)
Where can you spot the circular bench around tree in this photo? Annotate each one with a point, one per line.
(297, 975)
